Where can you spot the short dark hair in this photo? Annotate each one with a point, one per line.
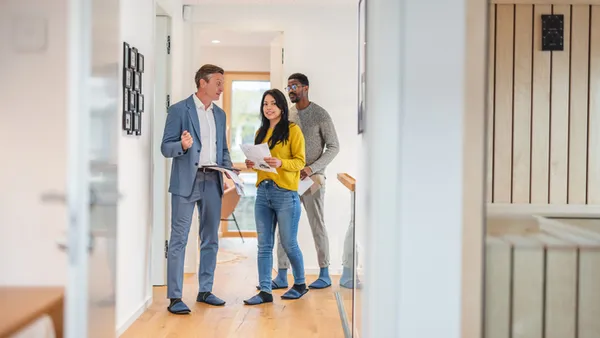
(300, 77)
(205, 72)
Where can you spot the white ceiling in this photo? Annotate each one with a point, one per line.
(231, 38)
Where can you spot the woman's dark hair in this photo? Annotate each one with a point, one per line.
(281, 132)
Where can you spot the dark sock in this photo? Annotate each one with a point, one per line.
(203, 295)
(299, 287)
(174, 301)
(266, 297)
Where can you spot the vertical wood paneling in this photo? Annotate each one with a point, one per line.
(580, 29)
(543, 107)
(593, 184)
(522, 104)
(559, 114)
(528, 289)
(497, 288)
(503, 103)
(589, 294)
(490, 102)
(540, 145)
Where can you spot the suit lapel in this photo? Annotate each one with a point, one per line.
(193, 113)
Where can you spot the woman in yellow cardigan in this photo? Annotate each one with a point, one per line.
(277, 200)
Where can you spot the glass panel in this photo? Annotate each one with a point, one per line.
(245, 115)
(244, 212)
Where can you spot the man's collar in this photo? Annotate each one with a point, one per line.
(199, 103)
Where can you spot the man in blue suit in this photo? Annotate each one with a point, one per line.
(195, 138)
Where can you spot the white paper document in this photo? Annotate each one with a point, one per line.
(239, 184)
(304, 185)
(256, 153)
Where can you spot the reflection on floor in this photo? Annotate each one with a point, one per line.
(315, 315)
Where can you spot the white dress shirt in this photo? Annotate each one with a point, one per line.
(208, 133)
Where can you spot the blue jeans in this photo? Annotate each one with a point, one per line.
(276, 206)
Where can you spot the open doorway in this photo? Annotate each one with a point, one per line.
(253, 63)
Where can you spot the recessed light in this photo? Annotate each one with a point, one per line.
(216, 41)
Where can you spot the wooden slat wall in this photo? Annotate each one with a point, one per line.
(543, 107)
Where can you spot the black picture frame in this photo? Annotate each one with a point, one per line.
(125, 100)
(132, 101)
(140, 62)
(133, 58)
(140, 103)
(128, 122)
(137, 82)
(137, 123)
(127, 78)
(126, 51)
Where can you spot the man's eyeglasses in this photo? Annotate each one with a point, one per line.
(292, 87)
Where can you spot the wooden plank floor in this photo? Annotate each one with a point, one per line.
(314, 315)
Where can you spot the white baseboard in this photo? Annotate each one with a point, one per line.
(134, 316)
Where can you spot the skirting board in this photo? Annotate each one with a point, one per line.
(134, 316)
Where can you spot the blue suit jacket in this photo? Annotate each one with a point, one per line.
(183, 116)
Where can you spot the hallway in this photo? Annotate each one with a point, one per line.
(315, 315)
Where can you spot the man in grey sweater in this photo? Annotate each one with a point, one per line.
(321, 148)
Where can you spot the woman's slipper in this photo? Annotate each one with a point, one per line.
(274, 286)
(294, 293)
(261, 298)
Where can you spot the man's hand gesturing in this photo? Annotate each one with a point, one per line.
(186, 140)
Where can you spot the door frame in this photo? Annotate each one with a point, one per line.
(229, 78)
(160, 166)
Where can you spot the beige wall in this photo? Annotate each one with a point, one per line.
(544, 107)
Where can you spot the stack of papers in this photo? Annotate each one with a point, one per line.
(256, 153)
(239, 184)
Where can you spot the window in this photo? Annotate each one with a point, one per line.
(242, 101)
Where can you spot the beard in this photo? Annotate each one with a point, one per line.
(294, 98)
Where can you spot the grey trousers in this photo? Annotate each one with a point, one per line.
(315, 211)
(206, 195)
(348, 254)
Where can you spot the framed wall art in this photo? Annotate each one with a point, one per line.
(133, 97)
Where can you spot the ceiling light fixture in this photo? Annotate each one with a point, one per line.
(216, 41)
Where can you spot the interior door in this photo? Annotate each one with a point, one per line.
(92, 196)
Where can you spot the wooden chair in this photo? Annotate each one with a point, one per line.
(229, 203)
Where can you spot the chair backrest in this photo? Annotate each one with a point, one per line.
(230, 198)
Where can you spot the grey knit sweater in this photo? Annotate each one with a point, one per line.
(321, 139)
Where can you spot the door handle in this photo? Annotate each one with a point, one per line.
(96, 199)
(62, 244)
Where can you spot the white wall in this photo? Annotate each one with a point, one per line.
(234, 58)
(33, 132)
(134, 292)
(320, 41)
(133, 219)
